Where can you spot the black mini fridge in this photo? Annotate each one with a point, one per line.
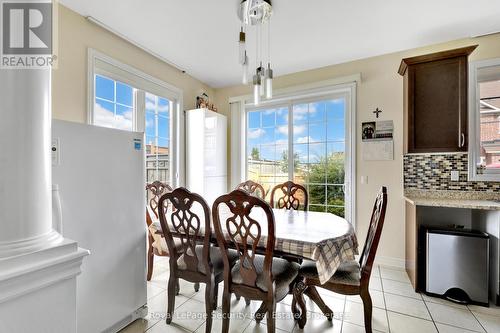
(457, 262)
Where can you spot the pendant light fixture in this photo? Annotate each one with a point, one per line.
(269, 81)
(244, 78)
(242, 47)
(256, 13)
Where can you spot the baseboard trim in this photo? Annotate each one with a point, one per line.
(139, 313)
(390, 262)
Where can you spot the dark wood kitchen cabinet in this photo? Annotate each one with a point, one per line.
(435, 101)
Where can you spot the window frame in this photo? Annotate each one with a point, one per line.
(289, 105)
(475, 123)
(315, 91)
(101, 64)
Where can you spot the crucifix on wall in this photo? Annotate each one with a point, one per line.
(377, 111)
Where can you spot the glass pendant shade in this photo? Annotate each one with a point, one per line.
(269, 88)
(256, 89)
(242, 47)
(269, 82)
(261, 74)
(245, 70)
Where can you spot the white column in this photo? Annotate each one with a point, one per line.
(38, 268)
(25, 168)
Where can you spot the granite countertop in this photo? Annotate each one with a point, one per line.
(454, 199)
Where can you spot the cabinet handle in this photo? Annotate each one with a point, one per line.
(462, 142)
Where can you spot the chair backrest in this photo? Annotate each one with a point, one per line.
(373, 237)
(254, 188)
(154, 191)
(189, 220)
(289, 196)
(235, 226)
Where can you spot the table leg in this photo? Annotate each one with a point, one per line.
(313, 294)
(300, 313)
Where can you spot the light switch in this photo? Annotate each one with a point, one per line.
(364, 179)
(54, 149)
(455, 176)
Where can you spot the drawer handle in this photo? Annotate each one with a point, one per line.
(462, 142)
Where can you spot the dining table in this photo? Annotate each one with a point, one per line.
(324, 238)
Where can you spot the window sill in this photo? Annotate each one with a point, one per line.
(487, 177)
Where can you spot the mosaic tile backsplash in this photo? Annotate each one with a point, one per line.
(432, 172)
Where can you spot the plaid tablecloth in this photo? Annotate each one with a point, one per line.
(328, 252)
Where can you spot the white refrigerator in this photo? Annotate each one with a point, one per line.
(206, 153)
(99, 173)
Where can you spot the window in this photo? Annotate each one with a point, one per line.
(305, 142)
(484, 128)
(114, 104)
(267, 146)
(157, 138)
(127, 99)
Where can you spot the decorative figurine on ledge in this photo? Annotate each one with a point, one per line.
(203, 101)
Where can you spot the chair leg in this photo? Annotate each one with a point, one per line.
(261, 312)
(172, 282)
(226, 310)
(197, 286)
(271, 317)
(177, 287)
(367, 307)
(215, 296)
(151, 258)
(209, 291)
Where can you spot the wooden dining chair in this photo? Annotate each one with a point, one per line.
(351, 278)
(253, 188)
(156, 244)
(290, 196)
(198, 261)
(253, 276)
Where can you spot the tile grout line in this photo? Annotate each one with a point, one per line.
(147, 329)
(430, 314)
(383, 295)
(480, 324)
(412, 316)
(452, 325)
(343, 315)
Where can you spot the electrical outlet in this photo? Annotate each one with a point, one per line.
(455, 176)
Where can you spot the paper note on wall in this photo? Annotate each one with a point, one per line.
(382, 150)
(378, 143)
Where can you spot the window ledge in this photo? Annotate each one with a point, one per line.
(485, 177)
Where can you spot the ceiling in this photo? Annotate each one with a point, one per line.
(200, 36)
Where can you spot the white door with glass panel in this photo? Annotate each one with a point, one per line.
(303, 141)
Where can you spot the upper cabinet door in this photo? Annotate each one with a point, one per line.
(436, 101)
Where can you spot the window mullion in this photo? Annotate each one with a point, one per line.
(140, 110)
(291, 153)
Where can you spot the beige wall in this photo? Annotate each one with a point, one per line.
(381, 87)
(69, 79)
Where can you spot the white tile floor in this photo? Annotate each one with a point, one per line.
(397, 309)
